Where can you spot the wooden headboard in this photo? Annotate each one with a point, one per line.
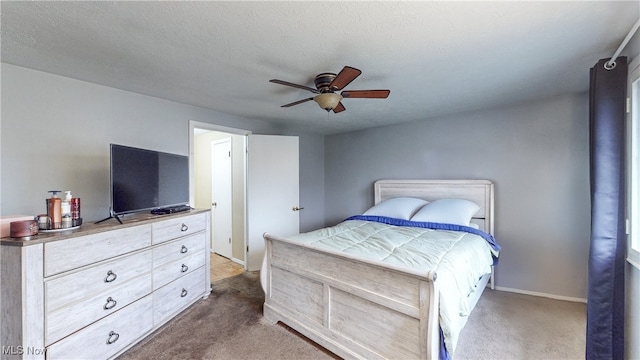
(478, 191)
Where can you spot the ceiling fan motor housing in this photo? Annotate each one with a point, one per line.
(323, 80)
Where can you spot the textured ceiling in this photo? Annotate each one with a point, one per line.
(436, 57)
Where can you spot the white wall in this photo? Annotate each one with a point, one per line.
(55, 134)
(537, 156)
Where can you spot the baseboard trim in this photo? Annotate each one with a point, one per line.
(539, 294)
(237, 261)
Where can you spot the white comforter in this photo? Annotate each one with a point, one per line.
(459, 259)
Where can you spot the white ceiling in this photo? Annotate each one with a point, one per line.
(436, 57)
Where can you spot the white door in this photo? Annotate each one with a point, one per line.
(272, 192)
(221, 205)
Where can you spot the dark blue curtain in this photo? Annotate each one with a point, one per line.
(605, 294)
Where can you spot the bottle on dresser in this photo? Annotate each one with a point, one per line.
(66, 210)
(54, 210)
(76, 219)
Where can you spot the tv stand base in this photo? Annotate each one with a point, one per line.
(112, 216)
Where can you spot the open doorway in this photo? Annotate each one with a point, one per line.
(268, 184)
(204, 142)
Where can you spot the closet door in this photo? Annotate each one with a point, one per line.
(221, 191)
(272, 192)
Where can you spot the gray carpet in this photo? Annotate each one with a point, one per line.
(229, 325)
(506, 325)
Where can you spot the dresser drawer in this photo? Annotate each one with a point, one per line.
(178, 249)
(76, 315)
(169, 272)
(172, 298)
(173, 228)
(108, 336)
(64, 255)
(93, 280)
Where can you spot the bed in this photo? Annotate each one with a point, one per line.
(359, 304)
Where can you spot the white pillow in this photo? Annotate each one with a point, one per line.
(447, 211)
(399, 208)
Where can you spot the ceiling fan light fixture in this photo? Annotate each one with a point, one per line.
(328, 101)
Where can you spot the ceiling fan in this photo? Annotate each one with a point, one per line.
(326, 86)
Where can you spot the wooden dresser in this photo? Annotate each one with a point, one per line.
(94, 292)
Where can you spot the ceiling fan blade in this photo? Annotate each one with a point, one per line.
(286, 83)
(297, 102)
(366, 94)
(339, 108)
(344, 77)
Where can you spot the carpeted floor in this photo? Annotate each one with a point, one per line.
(507, 325)
(229, 325)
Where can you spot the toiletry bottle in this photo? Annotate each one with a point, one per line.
(54, 209)
(76, 220)
(66, 210)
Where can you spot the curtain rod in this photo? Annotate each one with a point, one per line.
(609, 65)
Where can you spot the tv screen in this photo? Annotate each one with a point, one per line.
(146, 180)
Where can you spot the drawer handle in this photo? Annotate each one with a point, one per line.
(111, 276)
(184, 268)
(183, 249)
(110, 304)
(184, 227)
(113, 337)
(184, 293)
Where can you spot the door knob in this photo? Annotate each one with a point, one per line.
(214, 204)
(295, 208)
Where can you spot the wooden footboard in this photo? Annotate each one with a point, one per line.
(356, 309)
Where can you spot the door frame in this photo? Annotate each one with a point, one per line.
(193, 125)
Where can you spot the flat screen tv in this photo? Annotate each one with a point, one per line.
(147, 180)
